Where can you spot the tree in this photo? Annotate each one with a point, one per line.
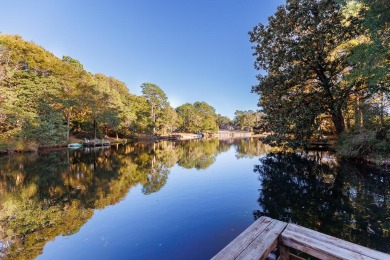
(208, 115)
(156, 98)
(110, 120)
(304, 50)
(370, 58)
(48, 129)
(246, 119)
(72, 80)
(167, 121)
(197, 117)
(30, 76)
(7, 66)
(189, 119)
(75, 63)
(141, 109)
(222, 120)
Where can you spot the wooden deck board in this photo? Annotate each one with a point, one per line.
(265, 242)
(338, 242)
(240, 243)
(257, 241)
(317, 248)
(325, 246)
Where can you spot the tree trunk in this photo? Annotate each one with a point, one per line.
(338, 121)
(348, 123)
(94, 127)
(357, 112)
(68, 125)
(382, 110)
(154, 120)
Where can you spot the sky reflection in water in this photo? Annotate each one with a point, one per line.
(179, 201)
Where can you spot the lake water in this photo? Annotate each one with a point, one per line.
(183, 200)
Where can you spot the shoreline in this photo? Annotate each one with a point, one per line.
(383, 164)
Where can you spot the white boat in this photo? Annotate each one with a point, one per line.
(75, 145)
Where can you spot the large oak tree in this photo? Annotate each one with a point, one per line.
(304, 50)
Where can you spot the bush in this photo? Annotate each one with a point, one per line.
(10, 146)
(372, 144)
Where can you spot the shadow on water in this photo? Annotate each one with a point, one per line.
(338, 198)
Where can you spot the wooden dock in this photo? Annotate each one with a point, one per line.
(263, 236)
(96, 143)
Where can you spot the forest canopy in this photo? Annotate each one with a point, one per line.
(44, 99)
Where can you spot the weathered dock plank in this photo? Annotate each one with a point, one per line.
(265, 242)
(257, 241)
(251, 239)
(324, 246)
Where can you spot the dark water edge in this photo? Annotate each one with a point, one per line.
(336, 197)
(54, 193)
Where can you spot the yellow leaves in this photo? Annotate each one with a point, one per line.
(29, 192)
(352, 8)
(344, 48)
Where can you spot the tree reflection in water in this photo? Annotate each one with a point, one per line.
(342, 199)
(56, 192)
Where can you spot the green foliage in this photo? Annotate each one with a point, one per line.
(167, 121)
(49, 128)
(33, 80)
(365, 143)
(371, 56)
(190, 121)
(75, 63)
(196, 118)
(223, 120)
(35, 86)
(142, 123)
(157, 101)
(327, 61)
(246, 120)
(208, 117)
(304, 49)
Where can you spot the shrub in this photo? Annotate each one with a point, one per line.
(373, 144)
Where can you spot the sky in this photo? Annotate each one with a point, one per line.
(194, 50)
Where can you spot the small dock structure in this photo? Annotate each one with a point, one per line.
(184, 136)
(96, 143)
(225, 134)
(266, 234)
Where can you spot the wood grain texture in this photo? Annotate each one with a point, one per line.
(258, 240)
(302, 234)
(265, 242)
(284, 252)
(240, 243)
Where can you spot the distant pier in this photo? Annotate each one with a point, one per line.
(219, 134)
(96, 143)
(232, 134)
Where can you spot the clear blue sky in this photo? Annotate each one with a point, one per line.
(195, 50)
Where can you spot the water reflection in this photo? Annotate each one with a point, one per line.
(55, 193)
(342, 199)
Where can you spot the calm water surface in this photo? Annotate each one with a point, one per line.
(182, 200)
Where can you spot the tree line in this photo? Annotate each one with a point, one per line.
(45, 99)
(326, 67)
